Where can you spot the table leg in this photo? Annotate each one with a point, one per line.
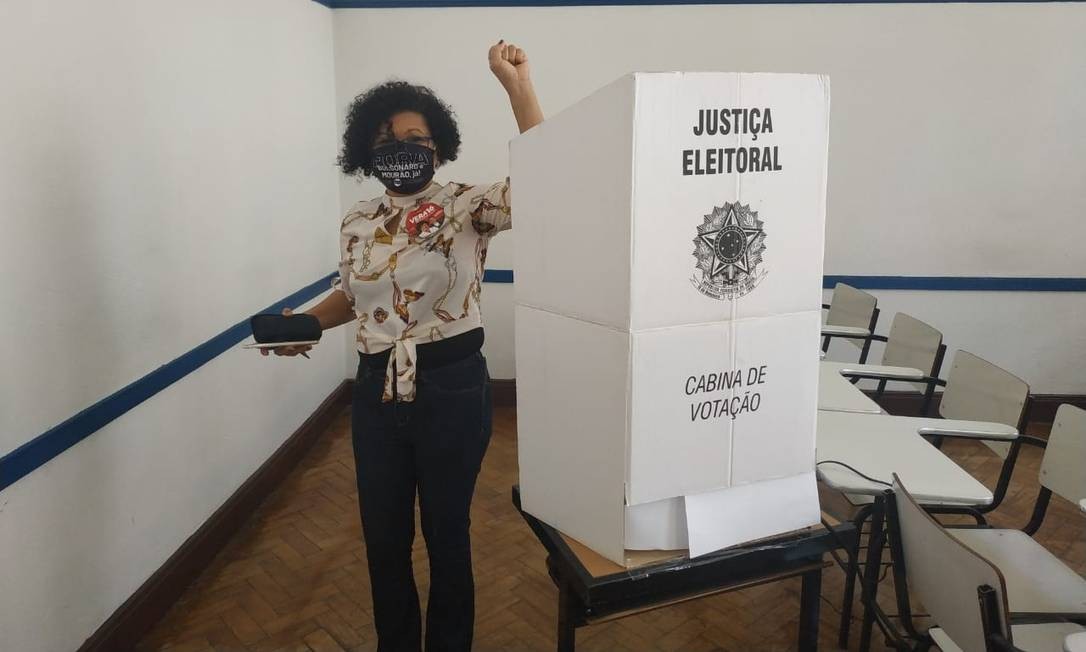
(809, 603)
(869, 587)
(567, 629)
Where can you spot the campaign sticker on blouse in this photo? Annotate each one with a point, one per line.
(424, 221)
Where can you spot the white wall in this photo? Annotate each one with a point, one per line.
(957, 146)
(166, 169)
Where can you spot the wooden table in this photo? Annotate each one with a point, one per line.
(592, 589)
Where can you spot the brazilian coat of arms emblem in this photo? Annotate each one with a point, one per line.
(728, 249)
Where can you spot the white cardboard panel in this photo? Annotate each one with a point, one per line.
(570, 182)
(667, 206)
(657, 526)
(793, 206)
(680, 442)
(670, 206)
(736, 515)
(624, 438)
(571, 427)
(778, 438)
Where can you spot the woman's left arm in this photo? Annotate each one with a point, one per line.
(510, 65)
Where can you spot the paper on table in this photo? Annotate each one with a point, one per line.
(659, 525)
(719, 519)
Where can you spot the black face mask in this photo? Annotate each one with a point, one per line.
(403, 167)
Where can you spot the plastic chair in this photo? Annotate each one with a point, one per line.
(852, 314)
(963, 591)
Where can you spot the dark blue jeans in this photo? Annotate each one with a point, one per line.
(433, 446)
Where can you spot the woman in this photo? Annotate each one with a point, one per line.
(410, 277)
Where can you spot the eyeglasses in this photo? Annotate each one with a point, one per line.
(425, 141)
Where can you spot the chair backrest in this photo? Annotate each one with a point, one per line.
(944, 574)
(977, 390)
(851, 307)
(912, 343)
(1063, 469)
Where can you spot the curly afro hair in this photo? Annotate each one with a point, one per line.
(373, 108)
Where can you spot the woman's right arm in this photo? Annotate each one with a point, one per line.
(334, 310)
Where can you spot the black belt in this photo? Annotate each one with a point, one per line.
(433, 354)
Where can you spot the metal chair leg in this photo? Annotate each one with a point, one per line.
(850, 579)
(869, 584)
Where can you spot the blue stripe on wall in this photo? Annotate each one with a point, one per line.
(928, 283)
(498, 276)
(960, 283)
(33, 454)
(36, 452)
(408, 4)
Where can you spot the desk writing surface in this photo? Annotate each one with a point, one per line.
(845, 331)
(836, 393)
(881, 445)
(969, 429)
(886, 371)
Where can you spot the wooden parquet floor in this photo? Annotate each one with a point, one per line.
(295, 577)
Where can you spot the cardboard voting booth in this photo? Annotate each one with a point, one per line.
(668, 289)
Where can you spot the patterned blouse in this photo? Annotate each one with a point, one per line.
(413, 268)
